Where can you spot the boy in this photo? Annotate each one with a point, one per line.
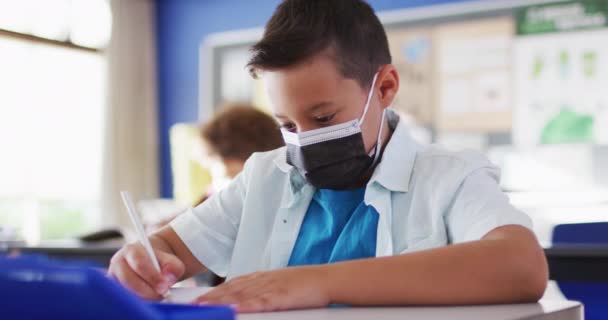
(359, 212)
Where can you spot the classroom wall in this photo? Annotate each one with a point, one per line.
(181, 26)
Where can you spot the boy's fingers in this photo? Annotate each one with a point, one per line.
(241, 287)
(225, 299)
(125, 275)
(138, 260)
(172, 268)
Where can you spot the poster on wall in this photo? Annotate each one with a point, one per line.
(474, 75)
(561, 74)
(236, 83)
(411, 51)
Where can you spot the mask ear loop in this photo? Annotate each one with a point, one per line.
(379, 139)
(369, 98)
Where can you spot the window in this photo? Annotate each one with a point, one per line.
(52, 95)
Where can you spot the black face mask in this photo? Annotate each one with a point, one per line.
(333, 157)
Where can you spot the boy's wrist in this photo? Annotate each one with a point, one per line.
(327, 276)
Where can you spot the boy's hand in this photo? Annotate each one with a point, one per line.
(289, 288)
(132, 266)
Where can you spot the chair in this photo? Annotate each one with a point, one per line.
(594, 295)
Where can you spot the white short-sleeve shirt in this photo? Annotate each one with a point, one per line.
(425, 196)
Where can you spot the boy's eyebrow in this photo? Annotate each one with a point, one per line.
(312, 108)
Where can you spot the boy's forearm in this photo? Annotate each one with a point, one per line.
(486, 271)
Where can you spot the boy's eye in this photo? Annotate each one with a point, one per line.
(288, 126)
(325, 119)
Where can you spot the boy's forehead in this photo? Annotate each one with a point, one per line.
(316, 75)
(311, 85)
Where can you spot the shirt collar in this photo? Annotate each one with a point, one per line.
(296, 180)
(394, 170)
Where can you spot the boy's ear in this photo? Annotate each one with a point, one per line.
(388, 83)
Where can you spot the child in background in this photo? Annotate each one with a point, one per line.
(232, 135)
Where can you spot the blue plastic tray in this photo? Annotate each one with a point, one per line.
(34, 287)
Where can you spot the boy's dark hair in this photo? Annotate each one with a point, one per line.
(300, 29)
(239, 130)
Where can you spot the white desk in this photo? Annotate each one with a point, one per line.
(544, 310)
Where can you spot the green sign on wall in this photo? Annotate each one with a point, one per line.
(562, 16)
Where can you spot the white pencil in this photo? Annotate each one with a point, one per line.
(141, 233)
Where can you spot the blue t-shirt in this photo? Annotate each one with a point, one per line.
(338, 226)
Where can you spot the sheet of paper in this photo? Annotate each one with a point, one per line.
(187, 294)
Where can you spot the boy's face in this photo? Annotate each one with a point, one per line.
(314, 94)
